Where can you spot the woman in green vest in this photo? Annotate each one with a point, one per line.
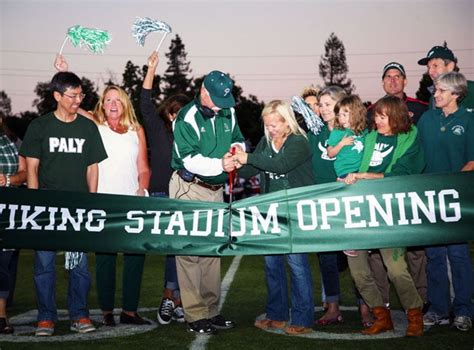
(391, 149)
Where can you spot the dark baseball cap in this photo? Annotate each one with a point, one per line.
(219, 85)
(394, 65)
(437, 52)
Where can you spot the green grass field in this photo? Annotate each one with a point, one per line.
(245, 300)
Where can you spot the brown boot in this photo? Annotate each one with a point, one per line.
(415, 323)
(383, 321)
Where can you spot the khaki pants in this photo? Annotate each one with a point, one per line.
(416, 260)
(199, 277)
(397, 269)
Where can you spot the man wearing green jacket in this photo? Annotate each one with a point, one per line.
(204, 132)
(440, 60)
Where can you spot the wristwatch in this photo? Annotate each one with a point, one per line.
(7, 183)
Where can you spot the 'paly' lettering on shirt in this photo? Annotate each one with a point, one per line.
(65, 145)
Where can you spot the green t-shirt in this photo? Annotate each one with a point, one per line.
(210, 137)
(64, 150)
(383, 153)
(448, 142)
(289, 167)
(349, 157)
(323, 166)
(410, 162)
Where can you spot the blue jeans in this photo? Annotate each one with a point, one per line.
(45, 283)
(330, 276)
(171, 276)
(438, 284)
(302, 311)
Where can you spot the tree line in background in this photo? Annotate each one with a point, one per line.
(177, 78)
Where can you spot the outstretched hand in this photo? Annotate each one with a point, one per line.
(60, 64)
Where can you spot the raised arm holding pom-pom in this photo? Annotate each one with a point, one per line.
(150, 74)
(60, 63)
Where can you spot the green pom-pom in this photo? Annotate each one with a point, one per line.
(95, 40)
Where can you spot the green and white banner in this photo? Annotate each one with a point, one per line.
(392, 212)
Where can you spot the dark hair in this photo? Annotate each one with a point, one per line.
(2, 128)
(64, 80)
(397, 112)
(171, 106)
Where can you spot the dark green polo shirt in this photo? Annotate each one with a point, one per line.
(448, 142)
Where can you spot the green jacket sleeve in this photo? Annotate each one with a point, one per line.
(186, 140)
(294, 152)
(247, 171)
(412, 162)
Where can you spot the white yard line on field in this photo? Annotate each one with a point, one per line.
(201, 340)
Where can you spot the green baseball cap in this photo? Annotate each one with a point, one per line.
(437, 52)
(219, 86)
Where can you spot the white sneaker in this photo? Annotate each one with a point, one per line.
(432, 319)
(463, 323)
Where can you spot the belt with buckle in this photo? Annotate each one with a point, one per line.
(208, 186)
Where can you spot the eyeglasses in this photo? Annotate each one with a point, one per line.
(75, 97)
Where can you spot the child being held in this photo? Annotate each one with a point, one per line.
(346, 141)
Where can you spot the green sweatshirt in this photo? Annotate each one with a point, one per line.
(290, 167)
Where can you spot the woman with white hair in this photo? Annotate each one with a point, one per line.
(447, 136)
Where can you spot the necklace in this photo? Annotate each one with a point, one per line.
(444, 127)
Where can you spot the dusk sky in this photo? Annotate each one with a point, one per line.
(271, 48)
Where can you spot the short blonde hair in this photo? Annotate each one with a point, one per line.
(310, 91)
(129, 119)
(284, 110)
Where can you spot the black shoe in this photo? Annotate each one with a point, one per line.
(202, 326)
(5, 327)
(135, 319)
(219, 322)
(165, 313)
(426, 307)
(108, 320)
